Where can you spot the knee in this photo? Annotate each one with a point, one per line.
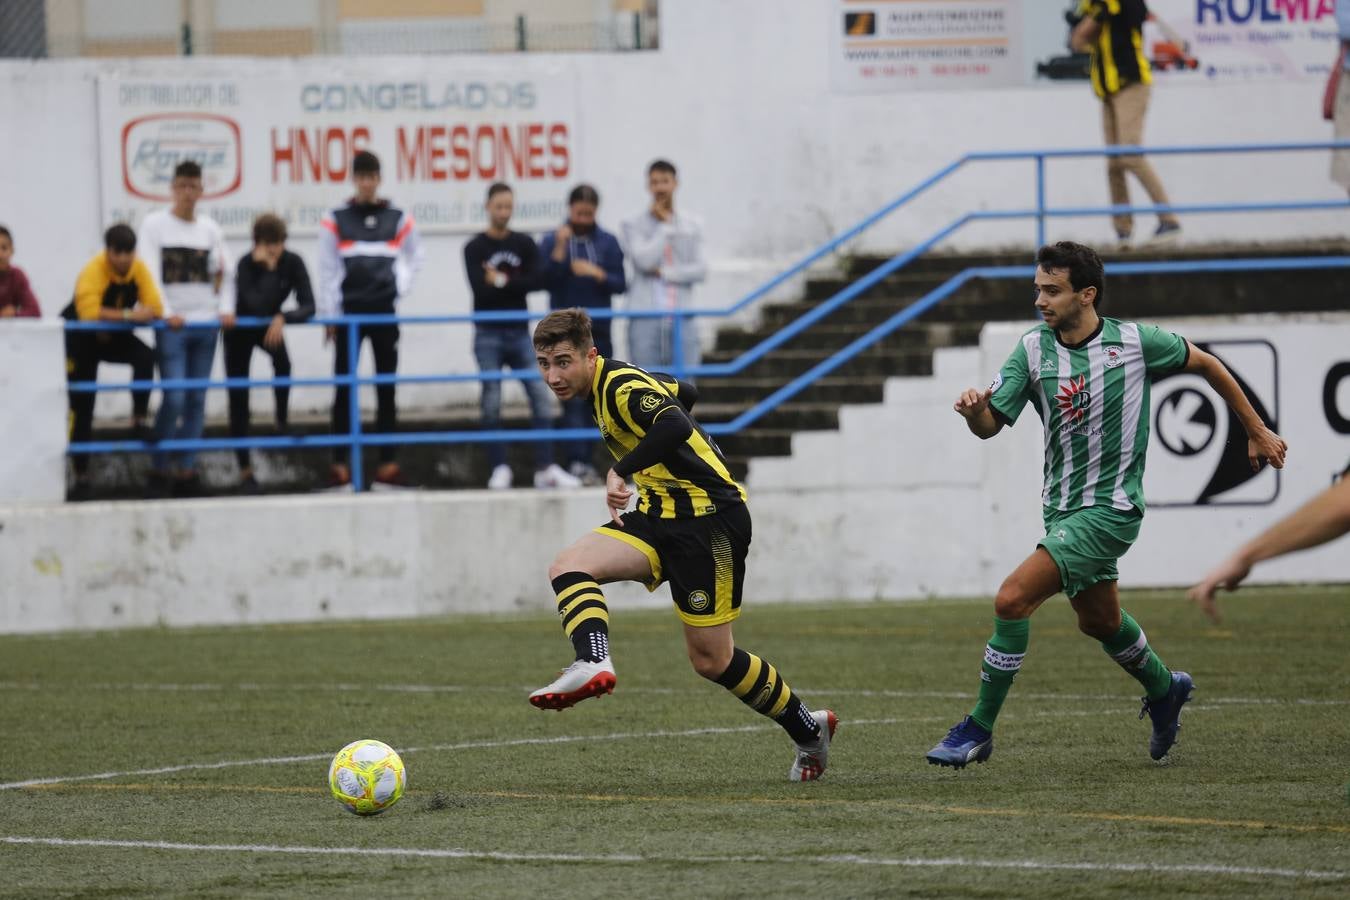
(1012, 602)
(561, 565)
(709, 663)
(1116, 165)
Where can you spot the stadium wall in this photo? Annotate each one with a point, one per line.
(771, 156)
(900, 502)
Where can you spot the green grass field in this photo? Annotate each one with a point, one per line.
(670, 787)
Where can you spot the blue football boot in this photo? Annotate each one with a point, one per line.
(966, 742)
(1166, 714)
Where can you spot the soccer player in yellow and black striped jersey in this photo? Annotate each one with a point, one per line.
(691, 528)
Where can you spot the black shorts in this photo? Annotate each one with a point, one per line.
(702, 558)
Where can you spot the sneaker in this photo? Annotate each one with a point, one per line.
(812, 758)
(578, 681)
(1123, 242)
(1166, 714)
(391, 479)
(586, 472)
(1167, 233)
(965, 742)
(555, 476)
(500, 479)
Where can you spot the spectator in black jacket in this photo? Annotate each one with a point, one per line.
(266, 277)
(503, 267)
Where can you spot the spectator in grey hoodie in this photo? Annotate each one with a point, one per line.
(666, 248)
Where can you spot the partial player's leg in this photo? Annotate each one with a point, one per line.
(756, 683)
(1100, 617)
(1033, 582)
(577, 574)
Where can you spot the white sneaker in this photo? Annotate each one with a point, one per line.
(501, 478)
(555, 476)
(812, 758)
(586, 472)
(575, 683)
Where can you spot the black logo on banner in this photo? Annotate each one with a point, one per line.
(1201, 453)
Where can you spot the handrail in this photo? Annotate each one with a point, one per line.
(1040, 212)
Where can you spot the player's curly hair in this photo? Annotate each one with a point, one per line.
(571, 325)
(1080, 261)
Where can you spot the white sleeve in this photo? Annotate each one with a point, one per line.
(148, 246)
(220, 262)
(412, 255)
(328, 297)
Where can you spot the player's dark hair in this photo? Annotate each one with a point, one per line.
(498, 187)
(269, 228)
(662, 165)
(120, 238)
(365, 163)
(584, 193)
(187, 169)
(1081, 262)
(571, 325)
(4, 233)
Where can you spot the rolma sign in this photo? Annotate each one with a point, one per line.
(152, 146)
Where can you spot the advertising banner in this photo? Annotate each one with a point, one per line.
(1241, 40)
(286, 144)
(889, 45)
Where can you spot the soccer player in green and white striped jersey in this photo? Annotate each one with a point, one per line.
(1088, 379)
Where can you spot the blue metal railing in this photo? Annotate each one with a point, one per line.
(356, 438)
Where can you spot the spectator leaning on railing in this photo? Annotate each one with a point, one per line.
(16, 297)
(114, 286)
(369, 254)
(266, 276)
(185, 250)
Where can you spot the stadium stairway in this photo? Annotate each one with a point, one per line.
(908, 352)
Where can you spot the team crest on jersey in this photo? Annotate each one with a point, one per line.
(650, 402)
(1115, 356)
(1074, 399)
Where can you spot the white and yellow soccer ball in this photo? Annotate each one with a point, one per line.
(367, 777)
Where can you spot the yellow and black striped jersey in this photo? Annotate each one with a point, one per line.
(694, 481)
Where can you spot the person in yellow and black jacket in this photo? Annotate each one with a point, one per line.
(114, 286)
(691, 528)
(1112, 31)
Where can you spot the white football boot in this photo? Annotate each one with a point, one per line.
(812, 758)
(578, 681)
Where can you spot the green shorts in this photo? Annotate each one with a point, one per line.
(1085, 543)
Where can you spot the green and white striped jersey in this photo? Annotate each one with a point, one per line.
(1093, 400)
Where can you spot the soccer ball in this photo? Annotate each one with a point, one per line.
(367, 777)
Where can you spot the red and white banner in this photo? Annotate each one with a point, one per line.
(286, 145)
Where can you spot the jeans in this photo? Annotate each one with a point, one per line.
(238, 350)
(183, 353)
(651, 344)
(496, 348)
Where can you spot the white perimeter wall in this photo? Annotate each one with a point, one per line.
(901, 502)
(772, 160)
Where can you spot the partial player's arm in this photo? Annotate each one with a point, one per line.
(1262, 443)
(974, 408)
(1088, 29)
(1323, 518)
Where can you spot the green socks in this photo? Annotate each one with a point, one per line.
(1130, 649)
(1002, 658)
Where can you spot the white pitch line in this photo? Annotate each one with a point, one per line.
(348, 687)
(1026, 865)
(515, 742)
